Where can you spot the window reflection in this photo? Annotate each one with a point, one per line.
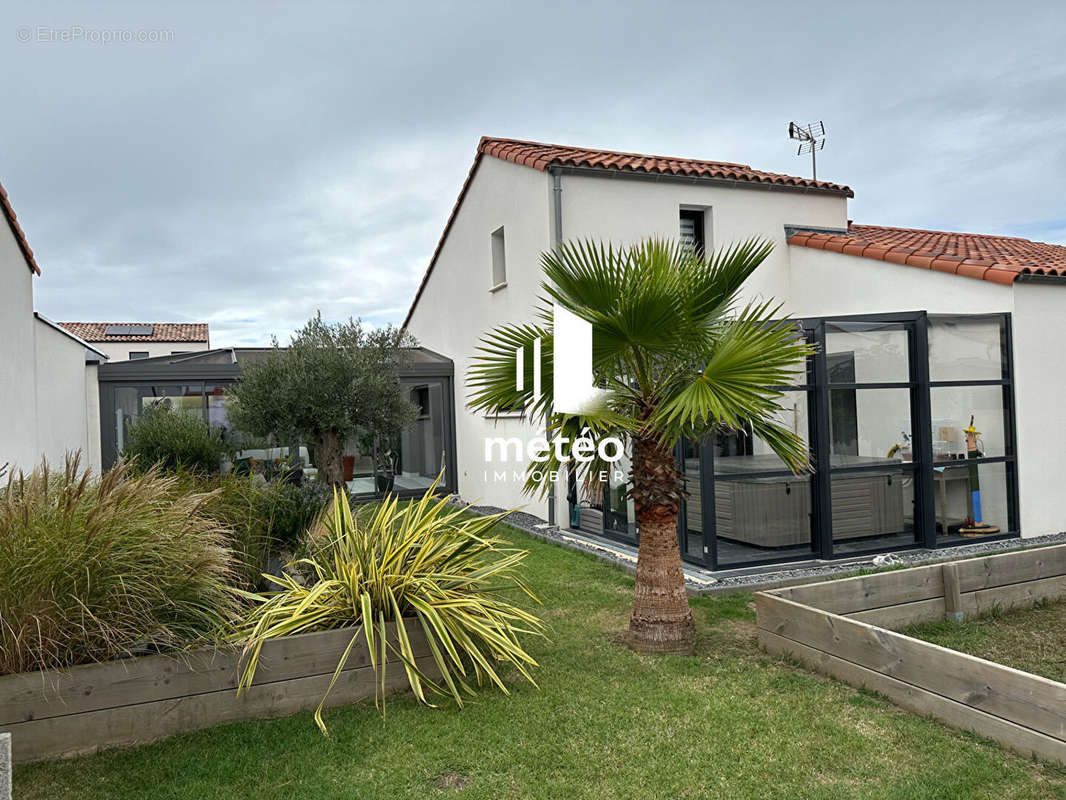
(971, 500)
(873, 509)
(952, 409)
(865, 352)
(762, 517)
(966, 349)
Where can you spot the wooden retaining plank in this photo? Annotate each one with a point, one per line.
(883, 589)
(135, 724)
(1008, 568)
(897, 617)
(1028, 700)
(1018, 595)
(920, 701)
(864, 592)
(113, 684)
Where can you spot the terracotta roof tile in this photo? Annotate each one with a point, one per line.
(161, 331)
(16, 229)
(540, 156)
(1000, 259)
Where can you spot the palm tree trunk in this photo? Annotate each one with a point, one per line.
(661, 621)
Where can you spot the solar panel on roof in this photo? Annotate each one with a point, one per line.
(128, 330)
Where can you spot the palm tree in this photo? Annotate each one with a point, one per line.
(679, 358)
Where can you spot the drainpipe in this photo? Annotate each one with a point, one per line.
(557, 203)
(557, 239)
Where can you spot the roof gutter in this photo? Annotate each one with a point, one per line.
(1029, 277)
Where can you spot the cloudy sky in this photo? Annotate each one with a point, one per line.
(250, 163)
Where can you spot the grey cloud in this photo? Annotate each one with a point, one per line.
(275, 159)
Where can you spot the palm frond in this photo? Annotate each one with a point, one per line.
(492, 379)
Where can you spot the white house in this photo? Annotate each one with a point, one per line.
(918, 330)
(49, 400)
(130, 341)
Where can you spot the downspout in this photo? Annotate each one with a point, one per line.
(557, 239)
(557, 203)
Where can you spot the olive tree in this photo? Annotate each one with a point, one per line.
(332, 382)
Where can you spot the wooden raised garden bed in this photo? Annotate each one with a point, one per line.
(846, 629)
(53, 714)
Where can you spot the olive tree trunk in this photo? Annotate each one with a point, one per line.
(661, 621)
(330, 458)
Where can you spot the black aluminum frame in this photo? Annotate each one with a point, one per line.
(921, 466)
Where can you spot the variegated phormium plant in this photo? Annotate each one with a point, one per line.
(426, 564)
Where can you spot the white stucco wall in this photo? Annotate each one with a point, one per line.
(1039, 323)
(457, 307)
(120, 351)
(18, 420)
(625, 210)
(65, 398)
(828, 283)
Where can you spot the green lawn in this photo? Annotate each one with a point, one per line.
(1031, 639)
(605, 723)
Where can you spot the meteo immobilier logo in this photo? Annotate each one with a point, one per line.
(574, 393)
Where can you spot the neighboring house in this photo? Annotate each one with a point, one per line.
(127, 341)
(917, 331)
(49, 400)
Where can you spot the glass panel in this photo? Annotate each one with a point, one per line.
(971, 500)
(130, 402)
(692, 536)
(217, 405)
(421, 455)
(608, 512)
(738, 452)
(952, 409)
(619, 517)
(186, 399)
(127, 409)
(865, 352)
(802, 372)
(873, 510)
(360, 466)
(762, 518)
(869, 426)
(966, 349)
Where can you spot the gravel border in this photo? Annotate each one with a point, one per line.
(701, 581)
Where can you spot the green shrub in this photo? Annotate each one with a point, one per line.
(425, 563)
(265, 519)
(174, 441)
(102, 568)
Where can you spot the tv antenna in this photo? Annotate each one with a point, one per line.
(811, 138)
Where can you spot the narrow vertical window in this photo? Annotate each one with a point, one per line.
(499, 259)
(691, 233)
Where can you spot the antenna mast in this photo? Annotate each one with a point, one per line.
(811, 138)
